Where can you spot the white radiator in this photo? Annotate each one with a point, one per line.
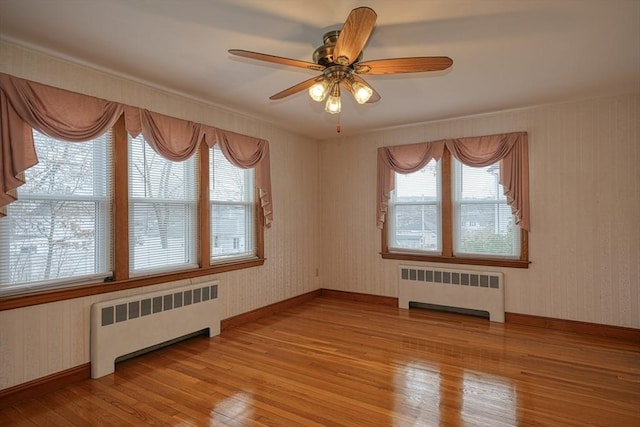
(126, 325)
(467, 289)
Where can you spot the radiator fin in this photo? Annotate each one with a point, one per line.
(484, 280)
(131, 310)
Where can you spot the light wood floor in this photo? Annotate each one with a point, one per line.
(332, 362)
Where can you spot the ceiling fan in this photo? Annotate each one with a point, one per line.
(339, 60)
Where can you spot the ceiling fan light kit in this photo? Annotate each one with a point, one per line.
(330, 81)
(333, 104)
(339, 59)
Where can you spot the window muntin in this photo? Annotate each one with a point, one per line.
(58, 232)
(231, 195)
(483, 222)
(162, 211)
(414, 211)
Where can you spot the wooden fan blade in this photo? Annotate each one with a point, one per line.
(296, 88)
(403, 65)
(276, 59)
(375, 96)
(354, 35)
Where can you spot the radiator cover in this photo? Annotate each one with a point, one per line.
(129, 324)
(469, 289)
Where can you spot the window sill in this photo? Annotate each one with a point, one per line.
(43, 297)
(490, 262)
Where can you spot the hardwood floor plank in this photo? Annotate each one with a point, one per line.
(337, 362)
(138, 412)
(40, 415)
(13, 417)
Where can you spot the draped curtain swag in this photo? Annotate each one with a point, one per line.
(247, 152)
(510, 149)
(65, 115)
(74, 117)
(403, 159)
(173, 139)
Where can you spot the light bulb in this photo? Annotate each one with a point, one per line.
(333, 103)
(319, 90)
(361, 92)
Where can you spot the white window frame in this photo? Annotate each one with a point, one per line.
(191, 205)
(103, 261)
(393, 208)
(249, 209)
(458, 201)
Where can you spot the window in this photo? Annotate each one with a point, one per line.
(450, 212)
(162, 210)
(483, 222)
(112, 214)
(414, 211)
(231, 194)
(59, 229)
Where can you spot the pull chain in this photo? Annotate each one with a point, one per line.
(338, 126)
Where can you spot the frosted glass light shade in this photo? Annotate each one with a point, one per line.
(361, 92)
(319, 90)
(333, 104)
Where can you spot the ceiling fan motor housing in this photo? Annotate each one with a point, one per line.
(324, 54)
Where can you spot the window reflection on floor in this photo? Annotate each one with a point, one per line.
(444, 394)
(234, 408)
(417, 394)
(488, 400)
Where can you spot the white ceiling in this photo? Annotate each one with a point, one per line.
(507, 54)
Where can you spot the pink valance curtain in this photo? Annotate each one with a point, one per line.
(402, 159)
(178, 140)
(58, 113)
(247, 152)
(511, 150)
(172, 138)
(70, 116)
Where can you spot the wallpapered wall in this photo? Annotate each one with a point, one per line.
(585, 196)
(584, 243)
(44, 339)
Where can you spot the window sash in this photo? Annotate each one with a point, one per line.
(232, 195)
(510, 239)
(75, 247)
(423, 238)
(224, 247)
(162, 229)
(479, 240)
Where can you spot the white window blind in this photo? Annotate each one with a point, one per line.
(58, 232)
(162, 211)
(232, 209)
(483, 222)
(414, 211)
